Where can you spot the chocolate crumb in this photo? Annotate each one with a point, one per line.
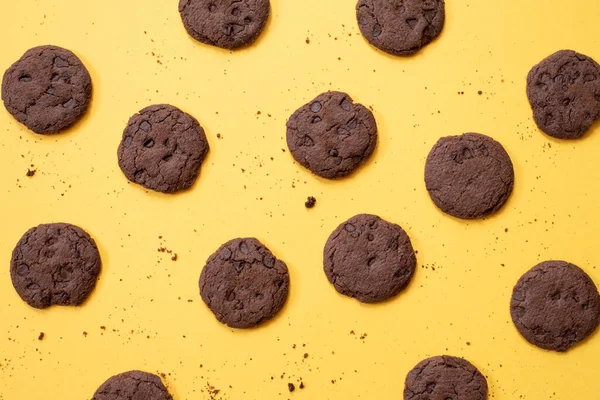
(174, 258)
(480, 92)
(41, 336)
(305, 355)
(291, 387)
(301, 385)
(307, 41)
(30, 172)
(310, 202)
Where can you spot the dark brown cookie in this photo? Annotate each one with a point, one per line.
(162, 149)
(400, 27)
(555, 305)
(564, 93)
(369, 259)
(55, 264)
(243, 283)
(331, 136)
(469, 176)
(229, 24)
(445, 378)
(48, 89)
(133, 385)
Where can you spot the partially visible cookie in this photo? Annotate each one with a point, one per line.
(55, 264)
(564, 93)
(331, 135)
(369, 258)
(133, 385)
(243, 283)
(445, 378)
(48, 89)
(469, 176)
(555, 305)
(400, 27)
(229, 24)
(162, 149)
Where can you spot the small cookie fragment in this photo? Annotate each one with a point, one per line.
(331, 135)
(555, 305)
(243, 283)
(229, 24)
(400, 27)
(564, 93)
(48, 89)
(162, 149)
(55, 264)
(369, 258)
(310, 202)
(443, 378)
(133, 385)
(469, 176)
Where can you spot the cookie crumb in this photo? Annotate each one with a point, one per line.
(174, 258)
(30, 172)
(291, 387)
(301, 385)
(218, 136)
(41, 336)
(310, 202)
(307, 41)
(305, 355)
(480, 92)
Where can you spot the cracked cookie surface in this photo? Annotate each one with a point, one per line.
(555, 305)
(229, 24)
(244, 284)
(331, 136)
(162, 149)
(369, 258)
(469, 176)
(133, 385)
(445, 378)
(400, 27)
(564, 93)
(55, 264)
(48, 89)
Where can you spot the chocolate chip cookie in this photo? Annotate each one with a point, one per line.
(229, 24)
(55, 264)
(444, 378)
(555, 305)
(469, 176)
(369, 259)
(400, 27)
(48, 89)
(133, 385)
(331, 136)
(162, 149)
(243, 283)
(564, 93)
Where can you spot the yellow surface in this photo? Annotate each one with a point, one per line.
(138, 53)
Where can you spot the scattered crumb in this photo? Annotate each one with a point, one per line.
(291, 387)
(480, 92)
(174, 258)
(305, 355)
(310, 202)
(301, 385)
(30, 172)
(41, 336)
(307, 41)
(218, 136)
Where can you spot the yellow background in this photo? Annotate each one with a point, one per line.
(138, 53)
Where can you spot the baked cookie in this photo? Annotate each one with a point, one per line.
(469, 176)
(331, 136)
(369, 259)
(55, 264)
(400, 27)
(133, 385)
(229, 24)
(162, 149)
(564, 93)
(48, 89)
(555, 305)
(243, 283)
(444, 378)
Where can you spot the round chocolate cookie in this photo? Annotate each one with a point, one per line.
(48, 89)
(55, 264)
(564, 93)
(162, 149)
(555, 305)
(133, 385)
(469, 176)
(229, 24)
(243, 283)
(331, 135)
(400, 27)
(369, 259)
(445, 378)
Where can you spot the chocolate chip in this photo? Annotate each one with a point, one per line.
(315, 107)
